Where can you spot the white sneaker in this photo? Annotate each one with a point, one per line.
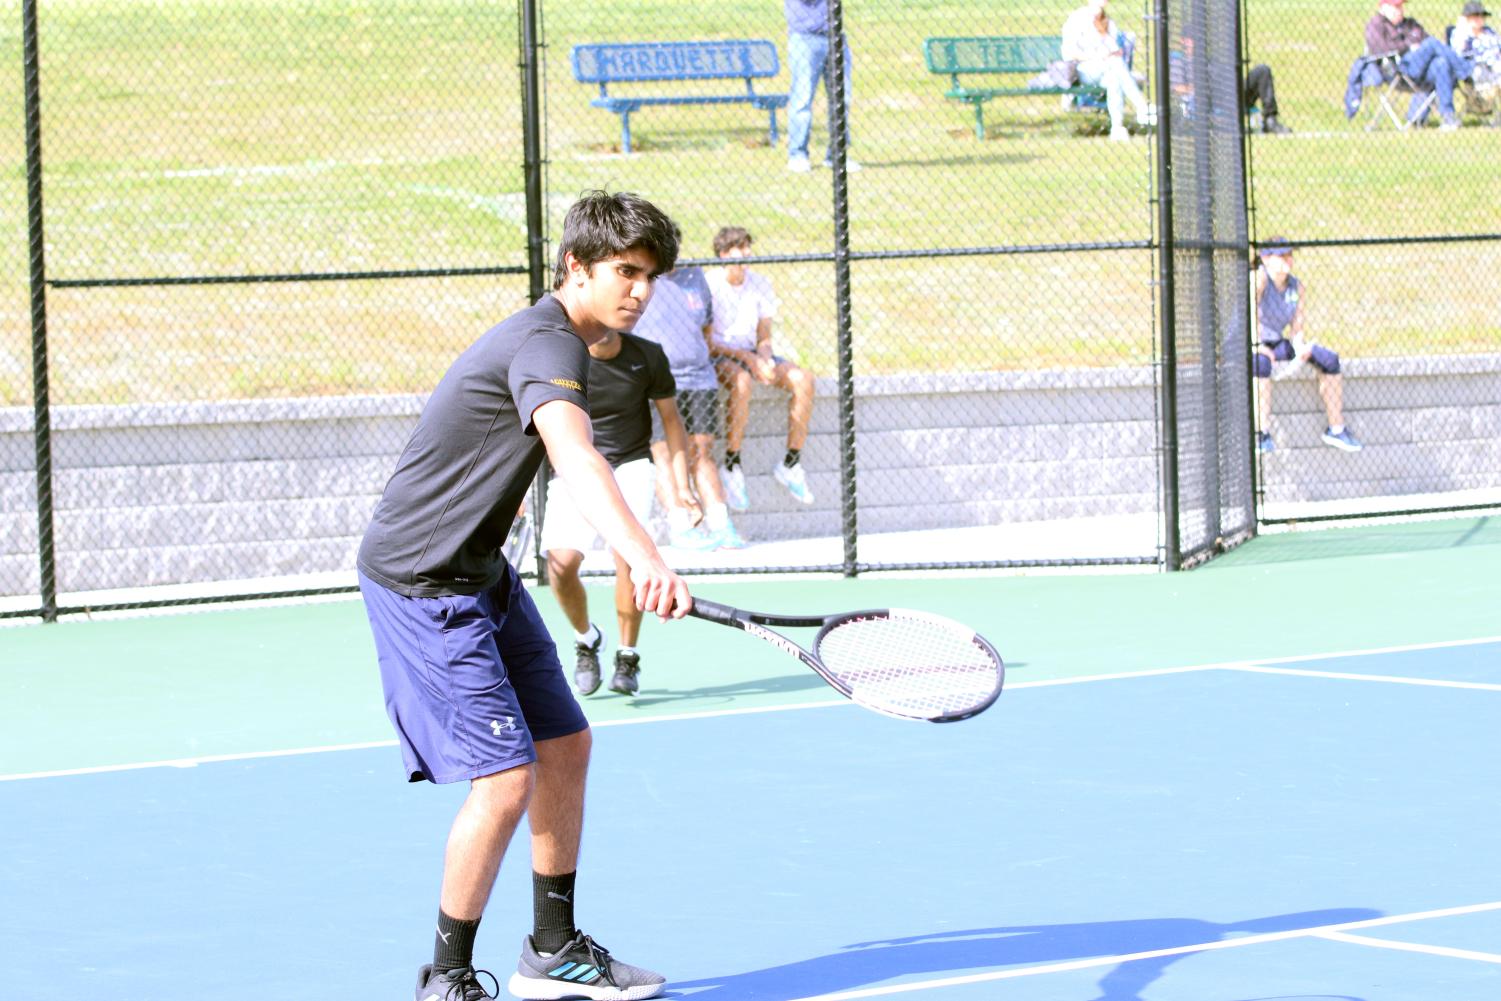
(1150, 118)
(850, 166)
(734, 488)
(799, 165)
(1119, 134)
(795, 481)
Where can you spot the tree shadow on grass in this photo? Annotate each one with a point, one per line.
(980, 949)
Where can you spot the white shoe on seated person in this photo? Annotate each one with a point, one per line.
(1119, 134)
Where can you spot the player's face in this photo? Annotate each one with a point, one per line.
(616, 290)
(735, 272)
(1279, 266)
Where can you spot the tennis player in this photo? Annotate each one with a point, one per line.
(472, 679)
(628, 375)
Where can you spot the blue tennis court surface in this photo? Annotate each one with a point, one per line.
(1242, 835)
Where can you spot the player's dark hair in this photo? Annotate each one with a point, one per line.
(730, 237)
(601, 225)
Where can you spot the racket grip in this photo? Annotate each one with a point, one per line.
(713, 611)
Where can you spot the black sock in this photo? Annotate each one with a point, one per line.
(454, 946)
(793, 454)
(552, 911)
(731, 459)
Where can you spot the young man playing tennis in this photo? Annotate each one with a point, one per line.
(471, 677)
(627, 376)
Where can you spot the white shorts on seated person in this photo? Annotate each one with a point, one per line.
(564, 525)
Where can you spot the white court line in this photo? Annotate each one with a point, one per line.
(1182, 950)
(1432, 950)
(1392, 680)
(1232, 665)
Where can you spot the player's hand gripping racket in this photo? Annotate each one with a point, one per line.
(913, 665)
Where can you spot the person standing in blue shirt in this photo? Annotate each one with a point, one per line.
(808, 62)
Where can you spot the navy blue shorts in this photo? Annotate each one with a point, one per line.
(471, 680)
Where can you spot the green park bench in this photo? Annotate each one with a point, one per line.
(997, 58)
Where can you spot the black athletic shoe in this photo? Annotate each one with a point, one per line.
(581, 969)
(627, 666)
(455, 985)
(586, 669)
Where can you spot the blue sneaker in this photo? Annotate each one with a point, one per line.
(1344, 441)
(581, 969)
(697, 538)
(729, 538)
(1264, 443)
(796, 482)
(734, 488)
(456, 985)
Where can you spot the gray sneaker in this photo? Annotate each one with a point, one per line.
(581, 969)
(586, 668)
(627, 666)
(456, 985)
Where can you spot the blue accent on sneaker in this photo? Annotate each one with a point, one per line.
(697, 538)
(1344, 441)
(580, 969)
(729, 538)
(1264, 442)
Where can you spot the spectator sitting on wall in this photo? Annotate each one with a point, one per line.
(744, 307)
(1280, 325)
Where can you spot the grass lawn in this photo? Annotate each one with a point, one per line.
(252, 136)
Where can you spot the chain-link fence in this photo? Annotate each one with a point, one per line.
(1395, 231)
(268, 231)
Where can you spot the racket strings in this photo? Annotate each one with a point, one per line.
(911, 665)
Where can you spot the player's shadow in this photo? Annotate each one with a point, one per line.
(979, 949)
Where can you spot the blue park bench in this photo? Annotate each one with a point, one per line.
(997, 56)
(636, 62)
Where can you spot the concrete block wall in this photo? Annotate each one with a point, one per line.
(175, 493)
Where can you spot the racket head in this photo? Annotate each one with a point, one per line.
(910, 664)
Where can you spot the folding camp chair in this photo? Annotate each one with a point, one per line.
(1394, 83)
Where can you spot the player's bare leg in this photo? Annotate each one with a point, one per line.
(1331, 388)
(799, 384)
(628, 616)
(477, 841)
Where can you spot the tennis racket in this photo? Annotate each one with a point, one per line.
(518, 542)
(903, 663)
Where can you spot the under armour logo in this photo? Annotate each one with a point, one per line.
(497, 726)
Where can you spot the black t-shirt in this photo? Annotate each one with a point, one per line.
(445, 512)
(619, 391)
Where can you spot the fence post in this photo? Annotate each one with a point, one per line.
(536, 226)
(41, 394)
(1165, 266)
(839, 117)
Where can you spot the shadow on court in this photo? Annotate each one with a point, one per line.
(956, 952)
(804, 682)
(1363, 540)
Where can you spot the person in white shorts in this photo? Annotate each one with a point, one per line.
(627, 375)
